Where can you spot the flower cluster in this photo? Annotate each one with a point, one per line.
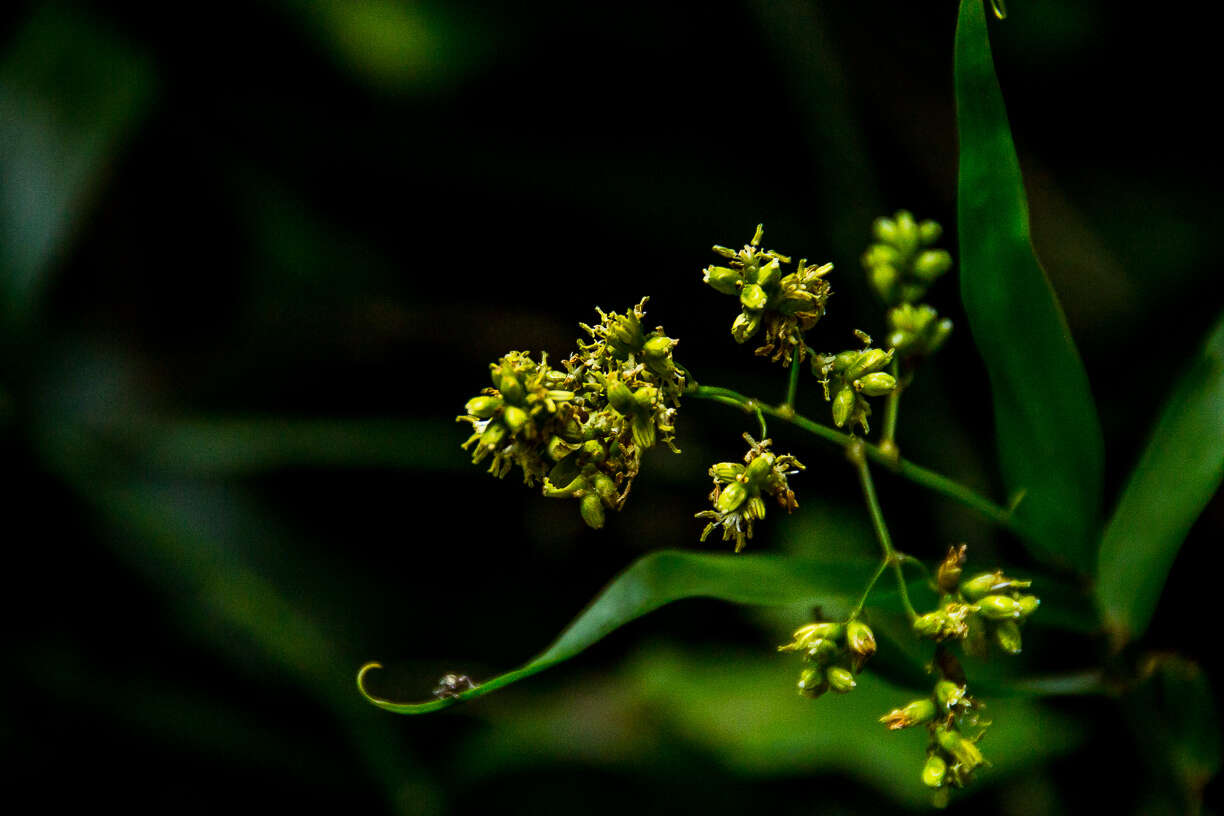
(581, 430)
(850, 377)
(835, 653)
(901, 265)
(985, 608)
(738, 489)
(785, 305)
(951, 715)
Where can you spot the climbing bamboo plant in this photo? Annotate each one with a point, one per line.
(579, 429)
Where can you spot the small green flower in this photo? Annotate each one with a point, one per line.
(851, 377)
(902, 264)
(738, 490)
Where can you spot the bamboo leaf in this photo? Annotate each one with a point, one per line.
(1178, 473)
(1049, 437)
(671, 575)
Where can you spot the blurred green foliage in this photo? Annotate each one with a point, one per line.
(251, 263)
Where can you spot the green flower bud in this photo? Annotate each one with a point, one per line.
(933, 771)
(515, 418)
(483, 407)
(726, 471)
(722, 279)
(843, 405)
(510, 387)
(979, 586)
(493, 436)
(605, 488)
(759, 469)
(961, 749)
(883, 279)
(657, 351)
(840, 680)
(999, 607)
(906, 232)
(625, 335)
(929, 232)
(932, 263)
(558, 448)
(592, 510)
(860, 639)
(619, 395)
(868, 361)
(731, 497)
(753, 297)
(917, 712)
(876, 384)
(594, 450)
(882, 255)
(745, 325)
(885, 230)
(932, 624)
(822, 650)
(645, 397)
(949, 694)
(1028, 604)
(804, 636)
(812, 682)
(769, 277)
(756, 508)
(1007, 636)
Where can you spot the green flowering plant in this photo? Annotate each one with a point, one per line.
(582, 431)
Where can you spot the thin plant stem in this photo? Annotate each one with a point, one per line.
(858, 607)
(891, 558)
(929, 479)
(792, 385)
(891, 409)
(761, 418)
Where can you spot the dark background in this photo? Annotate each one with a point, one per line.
(255, 258)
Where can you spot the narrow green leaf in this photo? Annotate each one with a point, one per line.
(1178, 473)
(1049, 436)
(663, 577)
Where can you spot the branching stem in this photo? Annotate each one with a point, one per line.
(891, 557)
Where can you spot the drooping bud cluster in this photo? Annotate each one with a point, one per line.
(581, 430)
(988, 607)
(949, 714)
(785, 305)
(901, 265)
(833, 652)
(850, 377)
(916, 331)
(739, 490)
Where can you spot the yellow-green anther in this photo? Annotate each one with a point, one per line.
(592, 510)
(731, 497)
(605, 488)
(753, 297)
(949, 694)
(821, 650)
(876, 384)
(625, 335)
(722, 279)
(510, 387)
(759, 469)
(929, 231)
(483, 407)
(932, 263)
(860, 639)
(933, 771)
(1007, 636)
(868, 361)
(560, 395)
(915, 713)
(843, 405)
(756, 508)
(643, 429)
(1027, 604)
(619, 395)
(840, 680)
(726, 471)
(812, 682)
(999, 607)
(515, 418)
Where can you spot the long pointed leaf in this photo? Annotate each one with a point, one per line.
(1181, 468)
(663, 577)
(1049, 437)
